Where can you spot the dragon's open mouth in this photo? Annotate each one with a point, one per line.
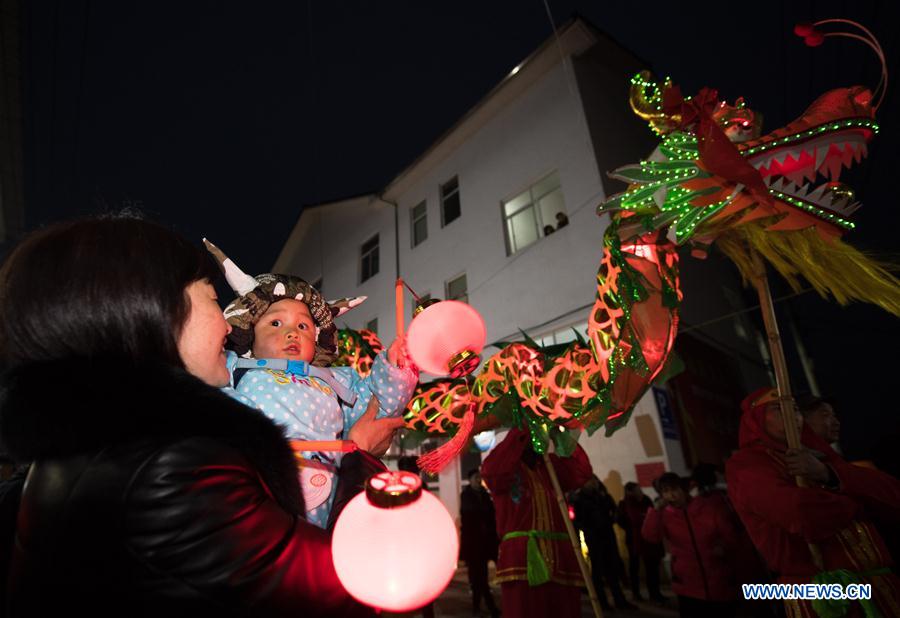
(791, 165)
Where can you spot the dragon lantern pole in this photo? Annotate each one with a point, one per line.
(576, 545)
(782, 378)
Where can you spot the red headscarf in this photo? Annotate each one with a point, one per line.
(753, 425)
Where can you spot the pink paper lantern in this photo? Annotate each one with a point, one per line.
(394, 546)
(446, 339)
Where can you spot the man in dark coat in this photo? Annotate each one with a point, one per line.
(594, 515)
(630, 516)
(478, 543)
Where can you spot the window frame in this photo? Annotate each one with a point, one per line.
(453, 280)
(533, 205)
(445, 195)
(425, 296)
(363, 254)
(413, 219)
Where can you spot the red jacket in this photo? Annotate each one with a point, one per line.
(782, 518)
(524, 500)
(701, 539)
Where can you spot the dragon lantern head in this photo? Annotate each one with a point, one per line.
(714, 179)
(801, 163)
(812, 150)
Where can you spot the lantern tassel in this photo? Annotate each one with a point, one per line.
(435, 461)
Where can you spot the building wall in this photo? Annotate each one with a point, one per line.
(540, 133)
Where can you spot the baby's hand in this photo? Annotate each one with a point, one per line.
(398, 355)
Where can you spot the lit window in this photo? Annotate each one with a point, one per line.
(449, 201)
(369, 259)
(457, 289)
(372, 325)
(419, 224)
(536, 212)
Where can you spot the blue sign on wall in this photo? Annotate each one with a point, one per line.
(666, 413)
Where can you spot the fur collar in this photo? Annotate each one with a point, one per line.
(62, 408)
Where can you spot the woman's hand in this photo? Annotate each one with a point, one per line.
(374, 435)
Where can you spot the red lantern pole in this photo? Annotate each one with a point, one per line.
(398, 307)
(576, 546)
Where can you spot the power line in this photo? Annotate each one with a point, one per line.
(741, 311)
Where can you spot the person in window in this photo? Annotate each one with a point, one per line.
(561, 220)
(151, 492)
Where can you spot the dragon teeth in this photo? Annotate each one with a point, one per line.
(802, 190)
(796, 178)
(840, 204)
(821, 153)
(847, 155)
(817, 194)
(778, 184)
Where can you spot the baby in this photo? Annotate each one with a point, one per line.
(283, 317)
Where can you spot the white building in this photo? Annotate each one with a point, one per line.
(467, 220)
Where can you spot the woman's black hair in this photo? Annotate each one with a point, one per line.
(670, 480)
(110, 287)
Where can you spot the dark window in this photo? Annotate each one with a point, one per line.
(419, 218)
(450, 201)
(369, 259)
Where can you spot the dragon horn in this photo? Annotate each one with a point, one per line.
(645, 97)
(239, 281)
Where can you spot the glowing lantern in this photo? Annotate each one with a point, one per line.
(446, 338)
(395, 546)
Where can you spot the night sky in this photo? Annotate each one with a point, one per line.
(223, 119)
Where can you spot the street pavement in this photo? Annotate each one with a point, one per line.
(456, 602)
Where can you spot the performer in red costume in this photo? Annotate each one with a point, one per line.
(537, 569)
(835, 512)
